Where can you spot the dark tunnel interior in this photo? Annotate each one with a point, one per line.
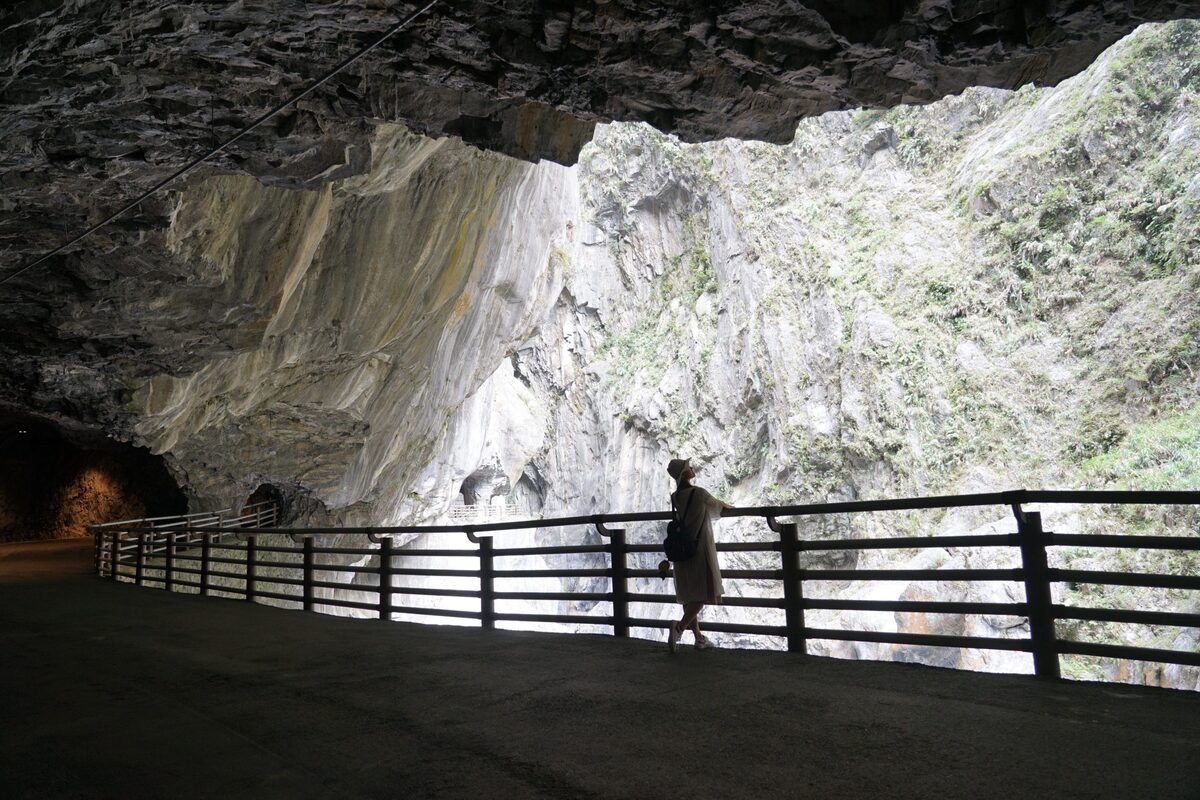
(54, 482)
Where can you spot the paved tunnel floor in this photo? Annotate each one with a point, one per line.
(111, 691)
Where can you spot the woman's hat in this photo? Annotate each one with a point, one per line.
(677, 466)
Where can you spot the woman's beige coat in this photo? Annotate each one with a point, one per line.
(698, 580)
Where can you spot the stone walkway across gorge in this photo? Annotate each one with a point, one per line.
(111, 691)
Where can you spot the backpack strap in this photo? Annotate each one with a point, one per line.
(686, 509)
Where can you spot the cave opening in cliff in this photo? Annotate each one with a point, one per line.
(267, 503)
(55, 482)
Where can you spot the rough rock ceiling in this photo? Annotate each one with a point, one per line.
(98, 100)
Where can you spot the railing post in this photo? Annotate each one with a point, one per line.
(139, 564)
(620, 580)
(385, 579)
(1037, 593)
(169, 577)
(793, 588)
(97, 547)
(114, 560)
(205, 550)
(251, 567)
(308, 573)
(487, 584)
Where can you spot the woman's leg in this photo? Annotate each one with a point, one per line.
(695, 626)
(691, 613)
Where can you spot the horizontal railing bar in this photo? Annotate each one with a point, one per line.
(563, 619)
(280, 564)
(729, 574)
(348, 587)
(923, 639)
(260, 578)
(218, 590)
(667, 599)
(295, 598)
(1128, 653)
(186, 570)
(737, 602)
(653, 573)
(338, 603)
(738, 547)
(218, 560)
(551, 573)
(1127, 615)
(193, 584)
(345, 568)
(911, 574)
(221, 574)
(597, 596)
(718, 627)
(435, 592)
(1125, 578)
(436, 573)
(913, 542)
(509, 552)
(723, 547)
(156, 519)
(1119, 540)
(434, 553)
(347, 551)
(1110, 497)
(918, 606)
(435, 612)
(1010, 498)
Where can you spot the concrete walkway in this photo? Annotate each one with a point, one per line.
(111, 691)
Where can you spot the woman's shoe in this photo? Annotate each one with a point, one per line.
(702, 643)
(673, 637)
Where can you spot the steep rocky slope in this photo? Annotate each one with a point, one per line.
(990, 292)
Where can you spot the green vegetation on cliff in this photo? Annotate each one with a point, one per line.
(993, 291)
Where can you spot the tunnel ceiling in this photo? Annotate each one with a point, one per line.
(98, 100)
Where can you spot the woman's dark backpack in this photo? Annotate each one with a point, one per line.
(679, 545)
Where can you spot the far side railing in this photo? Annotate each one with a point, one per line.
(184, 528)
(258, 561)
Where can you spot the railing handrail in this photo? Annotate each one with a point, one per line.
(182, 517)
(120, 548)
(1009, 498)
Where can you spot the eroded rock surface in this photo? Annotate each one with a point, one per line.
(100, 100)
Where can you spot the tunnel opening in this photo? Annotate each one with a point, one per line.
(55, 482)
(264, 507)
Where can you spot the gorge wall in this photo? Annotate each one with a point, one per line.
(992, 291)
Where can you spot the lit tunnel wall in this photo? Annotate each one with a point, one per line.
(53, 484)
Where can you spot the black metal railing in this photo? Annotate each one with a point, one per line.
(281, 564)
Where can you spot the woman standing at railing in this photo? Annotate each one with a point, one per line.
(698, 579)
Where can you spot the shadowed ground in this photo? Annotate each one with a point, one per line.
(113, 691)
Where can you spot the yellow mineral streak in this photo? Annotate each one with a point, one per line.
(314, 231)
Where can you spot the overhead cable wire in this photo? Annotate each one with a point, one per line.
(399, 26)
